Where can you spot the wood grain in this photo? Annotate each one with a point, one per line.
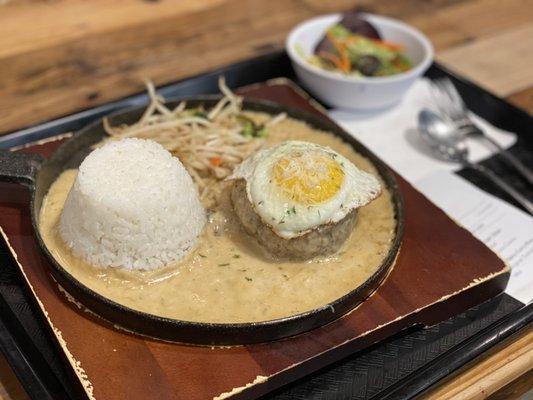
(10, 387)
(523, 98)
(62, 56)
(499, 62)
(520, 388)
(79, 19)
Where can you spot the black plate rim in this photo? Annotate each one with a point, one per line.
(208, 333)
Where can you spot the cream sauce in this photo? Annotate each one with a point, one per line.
(228, 278)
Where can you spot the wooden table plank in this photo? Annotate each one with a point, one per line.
(58, 22)
(73, 56)
(10, 387)
(523, 99)
(469, 21)
(520, 389)
(499, 61)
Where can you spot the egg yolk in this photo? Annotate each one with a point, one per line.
(308, 178)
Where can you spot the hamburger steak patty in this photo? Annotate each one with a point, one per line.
(323, 240)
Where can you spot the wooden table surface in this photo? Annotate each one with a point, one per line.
(61, 56)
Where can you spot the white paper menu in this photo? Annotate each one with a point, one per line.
(504, 228)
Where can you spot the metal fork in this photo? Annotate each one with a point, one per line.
(450, 103)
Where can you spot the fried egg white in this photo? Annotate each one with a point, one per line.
(298, 186)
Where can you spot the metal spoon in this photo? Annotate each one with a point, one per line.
(449, 145)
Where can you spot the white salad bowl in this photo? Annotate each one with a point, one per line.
(358, 92)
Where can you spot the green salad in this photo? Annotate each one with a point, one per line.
(354, 54)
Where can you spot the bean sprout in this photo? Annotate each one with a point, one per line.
(209, 143)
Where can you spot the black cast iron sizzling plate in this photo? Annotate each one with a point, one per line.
(39, 174)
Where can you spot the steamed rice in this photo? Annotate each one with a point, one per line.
(132, 206)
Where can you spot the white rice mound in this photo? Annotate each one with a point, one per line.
(132, 206)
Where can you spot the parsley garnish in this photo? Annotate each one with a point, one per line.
(250, 129)
(290, 211)
(200, 114)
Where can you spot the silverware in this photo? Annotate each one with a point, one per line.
(449, 145)
(451, 104)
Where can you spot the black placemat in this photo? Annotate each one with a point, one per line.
(379, 371)
(399, 367)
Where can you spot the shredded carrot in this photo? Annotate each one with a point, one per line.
(332, 58)
(389, 45)
(352, 39)
(215, 161)
(344, 61)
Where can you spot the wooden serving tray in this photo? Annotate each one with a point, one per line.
(441, 270)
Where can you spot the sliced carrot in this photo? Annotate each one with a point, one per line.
(345, 64)
(331, 58)
(215, 161)
(352, 39)
(389, 45)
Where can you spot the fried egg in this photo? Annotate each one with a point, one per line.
(298, 186)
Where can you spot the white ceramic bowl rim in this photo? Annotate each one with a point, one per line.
(418, 69)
